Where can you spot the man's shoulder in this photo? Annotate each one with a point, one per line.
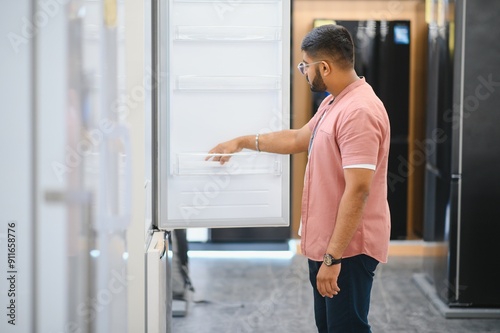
(364, 98)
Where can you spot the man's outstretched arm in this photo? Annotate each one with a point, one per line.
(280, 142)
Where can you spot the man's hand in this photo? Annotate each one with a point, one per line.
(228, 147)
(326, 280)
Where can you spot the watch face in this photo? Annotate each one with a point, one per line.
(327, 259)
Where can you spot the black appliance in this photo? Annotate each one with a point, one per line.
(382, 56)
(462, 189)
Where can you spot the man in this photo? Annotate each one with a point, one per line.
(345, 225)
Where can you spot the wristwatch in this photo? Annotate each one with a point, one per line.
(329, 260)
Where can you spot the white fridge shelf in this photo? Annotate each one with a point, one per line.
(227, 33)
(190, 164)
(194, 82)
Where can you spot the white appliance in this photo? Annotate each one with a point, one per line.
(220, 69)
(226, 73)
(66, 177)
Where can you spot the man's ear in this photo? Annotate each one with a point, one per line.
(325, 68)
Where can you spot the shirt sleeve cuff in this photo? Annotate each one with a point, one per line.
(360, 166)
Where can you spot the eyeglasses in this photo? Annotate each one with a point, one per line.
(302, 66)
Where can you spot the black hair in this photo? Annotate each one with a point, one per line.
(330, 41)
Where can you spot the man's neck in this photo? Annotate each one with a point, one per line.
(342, 80)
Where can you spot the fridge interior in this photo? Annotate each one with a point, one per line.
(239, 86)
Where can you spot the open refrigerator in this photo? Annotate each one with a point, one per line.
(220, 69)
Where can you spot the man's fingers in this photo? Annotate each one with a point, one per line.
(218, 157)
(327, 290)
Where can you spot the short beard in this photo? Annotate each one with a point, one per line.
(318, 85)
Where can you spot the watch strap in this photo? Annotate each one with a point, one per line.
(329, 260)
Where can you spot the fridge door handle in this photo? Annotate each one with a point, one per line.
(57, 196)
(122, 218)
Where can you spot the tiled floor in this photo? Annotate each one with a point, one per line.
(273, 295)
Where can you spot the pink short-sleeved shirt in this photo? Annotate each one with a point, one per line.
(350, 131)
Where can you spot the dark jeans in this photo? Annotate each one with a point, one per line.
(346, 312)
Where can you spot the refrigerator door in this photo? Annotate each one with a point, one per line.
(476, 155)
(393, 88)
(222, 70)
(439, 133)
(71, 278)
(16, 173)
(107, 164)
